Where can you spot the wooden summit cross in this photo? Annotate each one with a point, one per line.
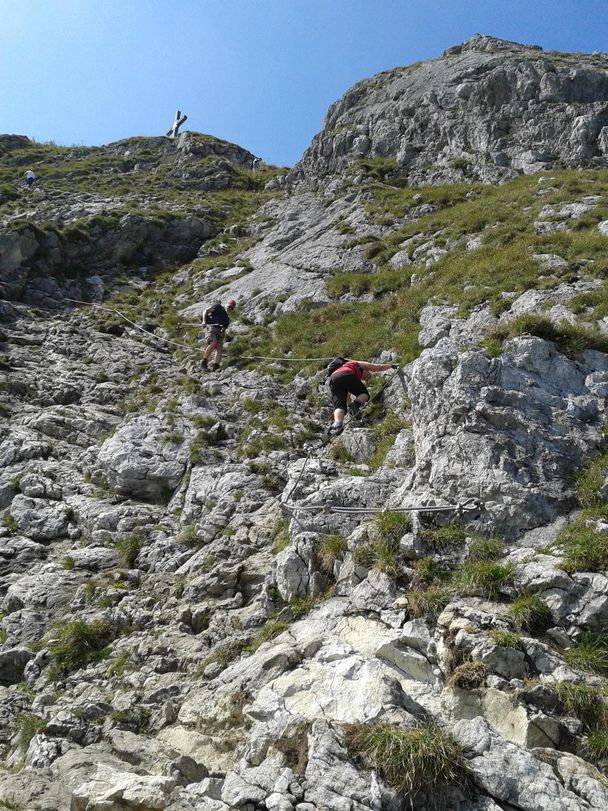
(179, 120)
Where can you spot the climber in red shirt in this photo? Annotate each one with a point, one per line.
(347, 380)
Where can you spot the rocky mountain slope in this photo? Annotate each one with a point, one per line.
(207, 605)
(484, 110)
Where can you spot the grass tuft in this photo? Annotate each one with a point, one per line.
(468, 675)
(280, 535)
(582, 700)
(529, 612)
(80, 643)
(330, 549)
(570, 339)
(381, 555)
(589, 482)
(485, 549)
(595, 746)
(410, 759)
(29, 725)
(128, 548)
(505, 639)
(428, 602)
(268, 631)
(484, 578)
(584, 549)
(446, 537)
(590, 654)
(391, 525)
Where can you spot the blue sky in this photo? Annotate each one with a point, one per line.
(260, 73)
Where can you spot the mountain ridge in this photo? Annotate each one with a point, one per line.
(468, 104)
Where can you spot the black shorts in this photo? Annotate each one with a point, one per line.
(342, 384)
(216, 334)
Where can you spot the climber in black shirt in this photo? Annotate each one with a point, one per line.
(216, 318)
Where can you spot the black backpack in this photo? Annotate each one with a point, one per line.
(217, 315)
(335, 364)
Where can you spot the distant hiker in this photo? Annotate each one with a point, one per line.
(255, 164)
(346, 378)
(217, 319)
(28, 178)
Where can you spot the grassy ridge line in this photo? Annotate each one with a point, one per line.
(107, 171)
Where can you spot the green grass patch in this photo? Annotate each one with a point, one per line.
(251, 406)
(590, 654)
(410, 759)
(504, 261)
(261, 444)
(12, 805)
(381, 555)
(583, 701)
(128, 548)
(280, 535)
(9, 522)
(384, 433)
(188, 535)
(485, 549)
(589, 482)
(427, 570)
(376, 168)
(595, 746)
(80, 643)
(445, 538)
(529, 612)
(428, 601)
(223, 655)
(173, 438)
(29, 725)
(199, 443)
(391, 524)
(584, 549)
(300, 606)
(484, 578)
(120, 664)
(339, 453)
(330, 548)
(268, 631)
(505, 639)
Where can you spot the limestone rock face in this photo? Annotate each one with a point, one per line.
(121, 789)
(30, 259)
(500, 771)
(508, 421)
(486, 109)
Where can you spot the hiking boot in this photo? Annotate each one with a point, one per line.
(335, 430)
(354, 409)
(214, 367)
(204, 363)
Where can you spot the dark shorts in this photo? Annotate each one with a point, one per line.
(343, 384)
(216, 334)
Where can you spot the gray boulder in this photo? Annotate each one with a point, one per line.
(12, 664)
(40, 519)
(138, 460)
